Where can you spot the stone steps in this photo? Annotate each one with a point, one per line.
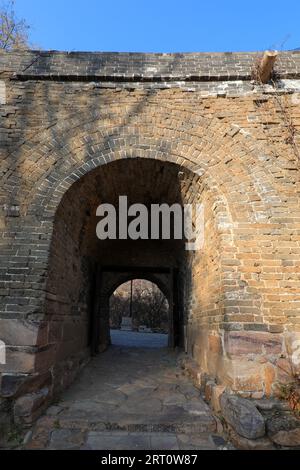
(94, 434)
(193, 418)
(122, 440)
(195, 426)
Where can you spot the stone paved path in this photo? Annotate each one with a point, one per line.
(129, 398)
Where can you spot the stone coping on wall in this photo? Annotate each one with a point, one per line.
(142, 67)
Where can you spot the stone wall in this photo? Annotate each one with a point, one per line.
(79, 129)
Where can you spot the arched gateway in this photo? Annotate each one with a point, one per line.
(81, 129)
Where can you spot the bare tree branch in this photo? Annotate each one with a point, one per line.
(13, 31)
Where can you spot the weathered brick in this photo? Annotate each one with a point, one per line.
(195, 130)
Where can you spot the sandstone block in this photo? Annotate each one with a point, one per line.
(270, 376)
(215, 344)
(240, 343)
(27, 406)
(23, 333)
(284, 371)
(18, 360)
(292, 341)
(242, 375)
(15, 385)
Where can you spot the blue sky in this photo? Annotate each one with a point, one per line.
(162, 25)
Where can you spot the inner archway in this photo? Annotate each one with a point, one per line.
(139, 315)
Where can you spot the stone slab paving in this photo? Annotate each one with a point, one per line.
(129, 398)
(138, 340)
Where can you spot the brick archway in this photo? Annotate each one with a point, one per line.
(108, 280)
(155, 180)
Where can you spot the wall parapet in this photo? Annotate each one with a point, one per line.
(142, 67)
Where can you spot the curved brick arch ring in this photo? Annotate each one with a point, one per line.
(122, 278)
(195, 144)
(50, 196)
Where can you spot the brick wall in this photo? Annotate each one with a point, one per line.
(79, 128)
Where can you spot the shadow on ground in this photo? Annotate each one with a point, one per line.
(133, 396)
